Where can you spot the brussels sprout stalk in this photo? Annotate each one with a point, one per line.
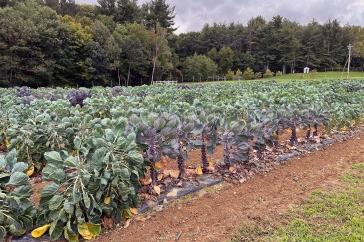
(294, 139)
(205, 163)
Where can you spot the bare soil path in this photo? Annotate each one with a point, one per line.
(216, 214)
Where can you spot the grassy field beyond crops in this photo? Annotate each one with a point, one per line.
(331, 75)
(320, 75)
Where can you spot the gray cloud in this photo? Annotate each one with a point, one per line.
(191, 15)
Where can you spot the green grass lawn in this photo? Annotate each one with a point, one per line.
(332, 75)
(334, 216)
(320, 76)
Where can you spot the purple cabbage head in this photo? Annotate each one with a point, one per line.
(27, 100)
(23, 92)
(77, 97)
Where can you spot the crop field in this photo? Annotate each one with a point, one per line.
(96, 154)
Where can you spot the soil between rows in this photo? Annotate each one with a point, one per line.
(216, 214)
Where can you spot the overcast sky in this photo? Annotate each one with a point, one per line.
(193, 14)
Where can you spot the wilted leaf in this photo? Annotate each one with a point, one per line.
(30, 171)
(174, 173)
(107, 200)
(199, 170)
(127, 223)
(157, 189)
(89, 231)
(158, 165)
(160, 177)
(146, 182)
(142, 218)
(127, 214)
(70, 235)
(39, 232)
(134, 211)
(173, 193)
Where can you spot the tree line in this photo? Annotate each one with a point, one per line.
(123, 42)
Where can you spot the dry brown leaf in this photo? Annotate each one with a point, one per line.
(142, 218)
(160, 177)
(173, 173)
(157, 189)
(173, 193)
(145, 181)
(134, 211)
(158, 165)
(232, 169)
(127, 223)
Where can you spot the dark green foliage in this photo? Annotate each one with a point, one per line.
(16, 211)
(248, 74)
(127, 11)
(199, 68)
(159, 12)
(118, 42)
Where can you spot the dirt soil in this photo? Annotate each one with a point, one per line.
(218, 213)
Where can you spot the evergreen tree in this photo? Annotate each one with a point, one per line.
(159, 12)
(107, 7)
(127, 11)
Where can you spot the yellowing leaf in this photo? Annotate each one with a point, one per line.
(127, 213)
(199, 171)
(30, 171)
(158, 165)
(70, 235)
(7, 143)
(134, 211)
(107, 200)
(89, 231)
(39, 232)
(171, 173)
(157, 189)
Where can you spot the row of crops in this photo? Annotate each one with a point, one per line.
(93, 146)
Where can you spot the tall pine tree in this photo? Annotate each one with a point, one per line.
(159, 12)
(127, 11)
(107, 7)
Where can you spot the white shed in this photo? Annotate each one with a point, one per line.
(306, 70)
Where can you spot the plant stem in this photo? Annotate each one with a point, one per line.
(315, 133)
(308, 133)
(181, 166)
(205, 163)
(293, 139)
(153, 175)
